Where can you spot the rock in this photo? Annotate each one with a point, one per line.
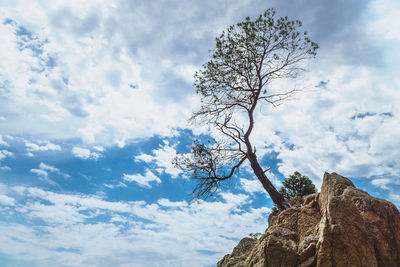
(340, 226)
(239, 253)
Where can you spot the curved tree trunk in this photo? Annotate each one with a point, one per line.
(276, 197)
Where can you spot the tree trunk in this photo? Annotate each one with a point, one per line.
(276, 197)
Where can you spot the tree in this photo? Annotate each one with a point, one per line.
(247, 58)
(297, 185)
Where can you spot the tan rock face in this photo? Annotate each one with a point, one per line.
(340, 226)
(239, 253)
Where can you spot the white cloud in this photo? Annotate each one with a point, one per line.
(39, 172)
(5, 153)
(43, 172)
(395, 198)
(251, 186)
(84, 153)
(6, 200)
(5, 168)
(385, 25)
(162, 157)
(94, 231)
(382, 183)
(327, 130)
(48, 167)
(29, 154)
(111, 186)
(63, 89)
(98, 148)
(142, 180)
(2, 142)
(172, 204)
(48, 146)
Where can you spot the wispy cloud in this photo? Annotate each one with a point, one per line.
(6, 200)
(2, 142)
(5, 168)
(119, 185)
(43, 172)
(85, 153)
(91, 229)
(162, 159)
(43, 175)
(142, 180)
(5, 153)
(43, 146)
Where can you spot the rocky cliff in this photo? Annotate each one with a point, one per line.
(340, 226)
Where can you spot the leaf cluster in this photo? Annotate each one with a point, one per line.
(255, 235)
(297, 185)
(246, 58)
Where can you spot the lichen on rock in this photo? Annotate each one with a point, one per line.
(340, 226)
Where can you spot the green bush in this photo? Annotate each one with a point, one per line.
(297, 185)
(255, 235)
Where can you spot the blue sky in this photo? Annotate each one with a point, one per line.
(94, 102)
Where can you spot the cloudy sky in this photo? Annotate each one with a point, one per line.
(94, 101)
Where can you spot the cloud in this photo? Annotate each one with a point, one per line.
(5, 168)
(326, 130)
(6, 200)
(119, 185)
(5, 153)
(40, 172)
(48, 146)
(43, 175)
(252, 186)
(162, 158)
(172, 204)
(43, 172)
(142, 180)
(75, 94)
(2, 142)
(48, 167)
(87, 229)
(47, 71)
(84, 153)
(98, 148)
(382, 183)
(395, 198)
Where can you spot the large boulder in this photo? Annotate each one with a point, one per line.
(340, 226)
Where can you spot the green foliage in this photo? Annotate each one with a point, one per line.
(255, 235)
(247, 57)
(297, 185)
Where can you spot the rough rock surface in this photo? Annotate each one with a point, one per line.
(340, 226)
(239, 253)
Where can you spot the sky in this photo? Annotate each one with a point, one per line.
(94, 101)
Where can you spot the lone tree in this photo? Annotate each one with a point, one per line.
(297, 185)
(247, 58)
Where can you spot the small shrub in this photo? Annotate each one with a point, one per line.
(255, 235)
(297, 185)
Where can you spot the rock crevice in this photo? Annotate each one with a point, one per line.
(340, 226)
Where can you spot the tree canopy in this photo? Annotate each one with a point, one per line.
(246, 59)
(297, 185)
